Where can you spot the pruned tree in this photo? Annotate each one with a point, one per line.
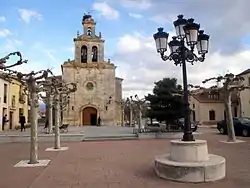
(30, 80)
(230, 83)
(59, 90)
(122, 103)
(138, 104)
(4, 60)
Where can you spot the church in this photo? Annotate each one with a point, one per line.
(99, 91)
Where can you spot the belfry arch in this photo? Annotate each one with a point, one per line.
(94, 54)
(84, 54)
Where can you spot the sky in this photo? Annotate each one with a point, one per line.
(44, 30)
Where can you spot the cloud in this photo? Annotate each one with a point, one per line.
(136, 16)
(10, 45)
(27, 15)
(133, 42)
(160, 19)
(50, 53)
(228, 22)
(2, 19)
(105, 10)
(140, 65)
(4, 32)
(138, 4)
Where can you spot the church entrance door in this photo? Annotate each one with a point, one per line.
(89, 116)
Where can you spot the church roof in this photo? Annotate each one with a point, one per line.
(86, 16)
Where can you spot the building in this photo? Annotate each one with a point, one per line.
(18, 103)
(245, 94)
(4, 102)
(99, 91)
(13, 101)
(208, 107)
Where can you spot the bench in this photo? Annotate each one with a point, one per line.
(63, 128)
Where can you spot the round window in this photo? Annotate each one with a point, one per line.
(90, 86)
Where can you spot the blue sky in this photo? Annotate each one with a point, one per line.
(44, 30)
(54, 24)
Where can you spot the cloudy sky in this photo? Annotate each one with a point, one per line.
(44, 30)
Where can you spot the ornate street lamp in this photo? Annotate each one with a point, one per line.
(188, 36)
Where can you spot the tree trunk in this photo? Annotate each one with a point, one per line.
(229, 118)
(57, 122)
(122, 120)
(140, 118)
(130, 115)
(50, 114)
(33, 127)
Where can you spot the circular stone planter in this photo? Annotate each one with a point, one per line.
(190, 162)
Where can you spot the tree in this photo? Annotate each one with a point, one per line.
(230, 83)
(165, 104)
(30, 81)
(60, 91)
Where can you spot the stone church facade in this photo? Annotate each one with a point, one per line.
(99, 91)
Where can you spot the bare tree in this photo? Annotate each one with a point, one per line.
(230, 83)
(60, 92)
(4, 60)
(139, 102)
(30, 81)
(123, 104)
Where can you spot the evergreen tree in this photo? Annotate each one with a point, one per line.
(166, 103)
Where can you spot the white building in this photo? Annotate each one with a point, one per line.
(245, 94)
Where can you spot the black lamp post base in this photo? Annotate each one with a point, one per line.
(188, 137)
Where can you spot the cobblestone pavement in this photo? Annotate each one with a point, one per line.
(115, 164)
(88, 130)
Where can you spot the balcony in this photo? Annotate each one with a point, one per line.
(22, 98)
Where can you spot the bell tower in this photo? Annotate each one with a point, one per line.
(89, 48)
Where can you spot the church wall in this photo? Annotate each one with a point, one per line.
(104, 87)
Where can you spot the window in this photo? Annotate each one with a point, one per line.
(249, 81)
(214, 96)
(84, 54)
(90, 86)
(211, 115)
(5, 93)
(235, 111)
(20, 111)
(193, 105)
(94, 54)
(89, 32)
(13, 101)
(194, 118)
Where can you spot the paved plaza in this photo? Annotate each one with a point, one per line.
(115, 164)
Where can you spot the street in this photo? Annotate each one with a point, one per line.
(121, 164)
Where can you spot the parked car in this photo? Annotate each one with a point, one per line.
(180, 124)
(241, 126)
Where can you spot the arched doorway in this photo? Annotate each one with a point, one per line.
(89, 116)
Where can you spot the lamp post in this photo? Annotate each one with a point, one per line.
(182, 50)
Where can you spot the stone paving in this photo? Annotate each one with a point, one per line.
(88, 130)
(115, 164)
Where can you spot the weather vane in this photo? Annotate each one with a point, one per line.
(88, 12)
